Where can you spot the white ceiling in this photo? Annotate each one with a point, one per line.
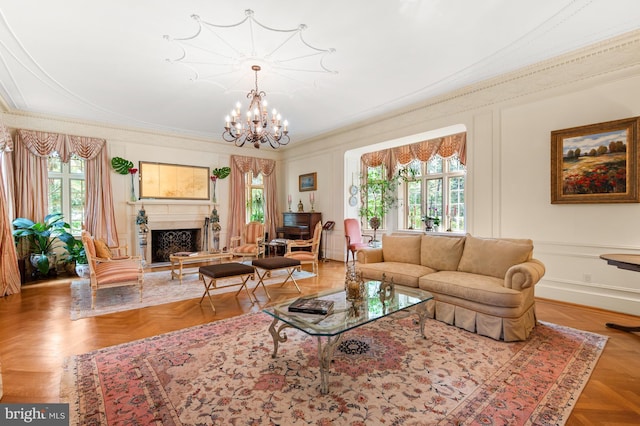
(108, 62)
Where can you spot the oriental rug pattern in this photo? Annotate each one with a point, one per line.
(383, 373)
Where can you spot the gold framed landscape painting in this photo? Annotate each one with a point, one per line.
(597, 163)
(173, 181)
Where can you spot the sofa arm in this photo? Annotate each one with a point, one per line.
(524, 275)
(369, 255)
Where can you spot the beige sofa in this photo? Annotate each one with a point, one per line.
(483, 285)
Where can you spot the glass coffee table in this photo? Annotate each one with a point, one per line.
(344, 317)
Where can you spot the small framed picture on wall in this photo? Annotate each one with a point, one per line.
(308, 182)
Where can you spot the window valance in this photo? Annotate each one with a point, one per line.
(5, 138)
(42, 144)
(402, 155)
(254, 165)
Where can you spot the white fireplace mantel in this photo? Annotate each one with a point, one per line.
(168, 214)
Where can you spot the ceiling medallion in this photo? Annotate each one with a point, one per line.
(219, 54)
(220, 49)
(258, 129)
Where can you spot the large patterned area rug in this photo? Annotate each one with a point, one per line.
(158, 288)
(383, 373)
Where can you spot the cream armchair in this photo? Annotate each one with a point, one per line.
(297, 249)
(111, 272)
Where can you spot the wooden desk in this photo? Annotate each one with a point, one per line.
(198, 257)
(630, 262)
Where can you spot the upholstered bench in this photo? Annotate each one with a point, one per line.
(275, 263)
(225, 270)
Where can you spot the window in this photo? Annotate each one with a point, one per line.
(66, 192)
(255, 197)
(434, 189)
(378, 196)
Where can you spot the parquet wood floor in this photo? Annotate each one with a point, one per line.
(36, 335)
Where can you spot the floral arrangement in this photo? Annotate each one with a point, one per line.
(122, 166)
(218, 173)
(432, 216)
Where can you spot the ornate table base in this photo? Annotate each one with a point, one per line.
(327, 348)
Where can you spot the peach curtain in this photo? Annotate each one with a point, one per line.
(445, 147)
(99, 215)
(32, 151)
(9, 273)
(239, 166)
(31, 176)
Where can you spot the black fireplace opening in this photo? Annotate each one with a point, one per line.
(164, 242)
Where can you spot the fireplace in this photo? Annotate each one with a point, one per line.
(172, 227)
(164, 242)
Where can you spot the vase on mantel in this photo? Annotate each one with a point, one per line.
(133, 172)
(133, 190)
(214, 180)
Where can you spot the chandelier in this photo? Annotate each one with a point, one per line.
(257, 128)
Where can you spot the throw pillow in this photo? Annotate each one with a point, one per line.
(441, 253)
(401, 248)
(493, 256)
(102, 249)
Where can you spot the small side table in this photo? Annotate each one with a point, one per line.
(630, 262)
(277, 247)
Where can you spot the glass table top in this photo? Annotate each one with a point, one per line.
(347, 315)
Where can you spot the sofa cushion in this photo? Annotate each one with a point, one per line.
(483, 289)
(406, 274)
(492, 256)
(401, 248)
(441, 253)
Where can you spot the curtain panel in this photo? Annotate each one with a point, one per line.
(9, 273)
(240, 165)
(32, 150)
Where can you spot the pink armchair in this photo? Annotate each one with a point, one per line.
(354, 237)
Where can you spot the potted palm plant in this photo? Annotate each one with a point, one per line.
(42, 238)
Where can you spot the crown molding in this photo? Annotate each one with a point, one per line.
(613, 56)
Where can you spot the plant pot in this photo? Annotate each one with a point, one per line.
(82, 269)
(428, 225)
(43, 262)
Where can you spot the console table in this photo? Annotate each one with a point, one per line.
(630, 262)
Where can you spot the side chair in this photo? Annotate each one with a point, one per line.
(297, 249)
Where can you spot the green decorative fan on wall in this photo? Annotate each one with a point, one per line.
(121, 165)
